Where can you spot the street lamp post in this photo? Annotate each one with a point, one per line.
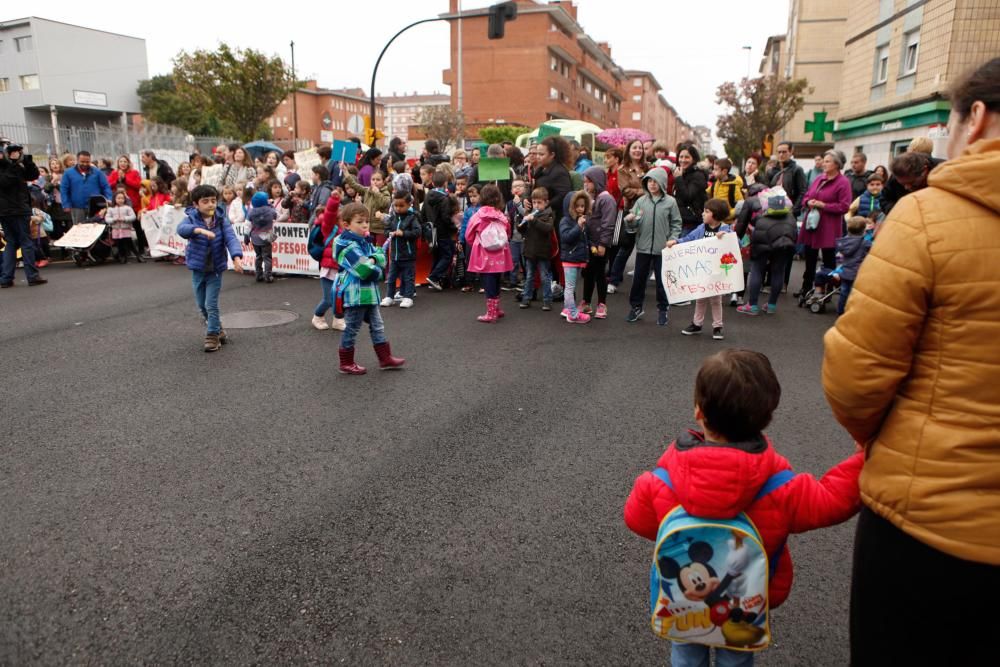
(295, 102)
(748, 49)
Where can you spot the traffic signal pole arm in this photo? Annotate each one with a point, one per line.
(509, 15)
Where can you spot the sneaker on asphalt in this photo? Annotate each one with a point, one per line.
(338, 324)
(546, 307)
(320, 323)
(434, 285)
(398, 296)
(581, 318)
(585, 308)
(524, 304)
(507, 288)
(386, 302)
(772, 308)
(564, 313)
(602, 311)
(765, 290)
(717, 333)
(212, 342)
(691, 330)
(747, 309)
(37, 281)
(681, 303)
(612, 289)
(406, 303)
(661, 318)
(734, 300)
(634, 315)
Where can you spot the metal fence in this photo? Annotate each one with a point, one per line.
(107, 140)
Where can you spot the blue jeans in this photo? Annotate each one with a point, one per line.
(206, 296)
(530, 267)
(327, 303)
(491, 284)
(845, 291)
(824, 279)
(443, 254)
(571, 274)
(405, 271)
(17, 231)
(696, 655)
(354, 317)
(774, 264)
(515, 254)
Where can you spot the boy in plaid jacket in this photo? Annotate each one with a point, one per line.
(362, 267)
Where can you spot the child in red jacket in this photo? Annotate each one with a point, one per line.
(716, 474)
(329, 226)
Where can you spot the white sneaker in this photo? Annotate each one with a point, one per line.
(338, 324)
(406, 303)
(612, 289)
(320, 323)
(397, 297)
(386, 302)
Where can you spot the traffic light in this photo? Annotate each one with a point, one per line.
(767, 146)
(500, 13)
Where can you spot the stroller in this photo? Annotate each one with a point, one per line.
(816, 301)
(99, 251)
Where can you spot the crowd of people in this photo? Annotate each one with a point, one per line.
(908, 368)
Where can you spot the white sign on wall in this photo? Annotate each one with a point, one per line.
(90, 98)
(326, 136)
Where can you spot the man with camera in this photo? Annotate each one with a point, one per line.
(16, 171)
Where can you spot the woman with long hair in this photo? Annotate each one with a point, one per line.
(240, 170)
(690, 187)
(629, 183)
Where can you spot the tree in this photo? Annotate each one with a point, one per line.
(160, 103)
(241, 88)
(497, 134)
(760, 107)
(442, 124)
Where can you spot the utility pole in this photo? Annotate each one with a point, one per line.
(461, 128)
(295, 102)
(747, 49)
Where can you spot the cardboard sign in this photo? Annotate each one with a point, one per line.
(212, 175)
(81, 235)
(306, 160)
(494, 169)
(345, 151)
(704, 268)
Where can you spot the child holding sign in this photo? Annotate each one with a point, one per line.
(716, 210)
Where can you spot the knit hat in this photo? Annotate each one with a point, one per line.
(291, 179)
(258, 200)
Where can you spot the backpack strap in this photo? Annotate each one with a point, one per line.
(774, 482)
(664, 477)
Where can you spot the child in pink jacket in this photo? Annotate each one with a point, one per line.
(488, 233)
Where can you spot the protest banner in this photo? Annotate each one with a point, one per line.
(168, 242)
(289, 250)
(306, 160)
(704, 268)
(494, 169)
(81, 235)
(212, 175)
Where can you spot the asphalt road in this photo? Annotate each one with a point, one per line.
(160, 505)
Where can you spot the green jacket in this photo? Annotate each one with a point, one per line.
(656, 220)
(373, 201)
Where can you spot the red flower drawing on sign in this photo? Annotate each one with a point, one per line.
(727, 262)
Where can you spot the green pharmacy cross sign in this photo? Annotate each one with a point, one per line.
(819, 126)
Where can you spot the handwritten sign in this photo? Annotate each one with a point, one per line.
(212, 175)
(306, 160)
(344, 151)
(81, 235)
(700, 269)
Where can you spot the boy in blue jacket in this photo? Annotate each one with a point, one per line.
(851, 251)
(716, 210)
(403, 229)
(211, 239)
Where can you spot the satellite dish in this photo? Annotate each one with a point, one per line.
(356, 125)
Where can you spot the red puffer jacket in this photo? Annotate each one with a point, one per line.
(715, 481)
(328, 222)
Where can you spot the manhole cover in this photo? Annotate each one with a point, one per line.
(253, 319)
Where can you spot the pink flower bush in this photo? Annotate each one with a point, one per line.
(622, 136)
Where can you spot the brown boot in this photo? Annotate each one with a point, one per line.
(212, 342)
(387, 362)
(223, 338)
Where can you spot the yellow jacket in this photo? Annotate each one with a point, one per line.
(730, 191)
(912, 369)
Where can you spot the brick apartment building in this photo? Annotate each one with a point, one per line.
(404, 111)
(324, 115)
(545, 67)
(646, 109)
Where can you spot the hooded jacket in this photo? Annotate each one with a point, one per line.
(77, 187)
(437, 211)
(910, 368)
(690, 191)
(329, 222)
(574, 244)
(852, 251)
(657, 219)
(200, 247)
(358, 280)
(15, 199)
(261, 221)
(716, 481)
(601, 222)
(537, 232)
(773, 233)
(482, 260)
(404, 248)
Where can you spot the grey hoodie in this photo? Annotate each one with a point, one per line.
(657, 220)
(601, 223)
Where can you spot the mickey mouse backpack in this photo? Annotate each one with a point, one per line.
(709, 578)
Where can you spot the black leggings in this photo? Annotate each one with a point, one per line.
(594, 274)
(899, 582)
(812, 257)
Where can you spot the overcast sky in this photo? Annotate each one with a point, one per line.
(691, 47)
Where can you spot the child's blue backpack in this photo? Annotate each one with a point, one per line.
(316, 244)
(709, 578)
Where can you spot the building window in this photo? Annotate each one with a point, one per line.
(911, 50)
(4, 84)
(897, 148)
(881, 64)
(23, 44)
(554, 64)
(553, 94)
(775, 60)
(636, 115)
(637, 83)
(637, 98)
(29, 82)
